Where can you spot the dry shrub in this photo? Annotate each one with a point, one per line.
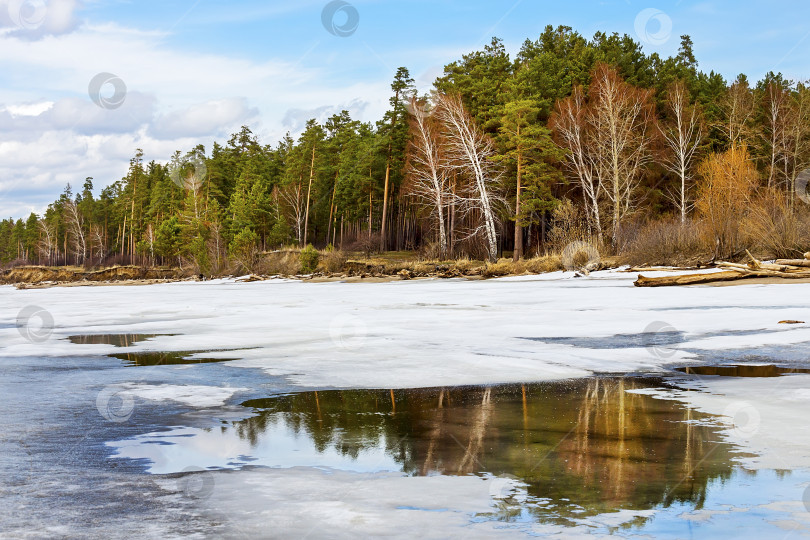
(536, 265)
(473, 247)
(776, 231)
(430, 251)
(568, 225)
(668, 243)
(369, 244)
(334, 261)
(285, 263)
(729, 183)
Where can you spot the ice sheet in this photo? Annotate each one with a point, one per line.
(421, 333)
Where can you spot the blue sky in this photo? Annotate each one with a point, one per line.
(196, 70)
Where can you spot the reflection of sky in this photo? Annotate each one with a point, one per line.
(278, 446)
(747, 505)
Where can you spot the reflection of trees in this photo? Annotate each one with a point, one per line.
(587, 443)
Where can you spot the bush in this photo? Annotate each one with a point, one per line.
(284, 263)
(774, 230)
(542, 264)
(667, 243)
(334, 261)
(567, 226)
(368, 244)
(724, 198)
(309, 258)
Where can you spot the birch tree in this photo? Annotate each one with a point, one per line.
(469, 151)
(570, 125)
(293, 197)
(608, 137)
(427, 170)
(682, 136)
(47, 245)
(738, 108)
(75, 226)
(797, 137)
(621, 117)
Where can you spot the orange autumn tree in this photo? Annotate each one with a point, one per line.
(729, 183)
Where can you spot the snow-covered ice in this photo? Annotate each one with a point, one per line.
(421, 333)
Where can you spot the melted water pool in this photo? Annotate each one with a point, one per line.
(742, 370)
(117, 340)
(581, 448)
(166, 358)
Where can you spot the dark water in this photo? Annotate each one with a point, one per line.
(742, 370)
(118, 340)
(147, 358)
(166, 358)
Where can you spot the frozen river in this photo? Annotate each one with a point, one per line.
(439, 408)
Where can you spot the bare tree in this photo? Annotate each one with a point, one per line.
(570, 124)
(427, 171)
(608, 138)
(797, 136)
(775, 104)
(293, 196)
(150, 239)
(47, 241)
(682, 136)
(75, 226)
(738, 107)
(469, 151)
(620, 116)
(98, 247)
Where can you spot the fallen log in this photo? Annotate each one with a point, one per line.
(779, 267)
(690, 279)
(772, 273)
(803, 263)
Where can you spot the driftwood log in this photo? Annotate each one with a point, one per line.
(783, 268)
(688, 279)
(802, 263)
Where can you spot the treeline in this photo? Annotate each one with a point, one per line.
(570, 139)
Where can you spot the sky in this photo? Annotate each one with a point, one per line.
(84, 83)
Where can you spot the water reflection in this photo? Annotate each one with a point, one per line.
(116, 340)
(166, 358)
(742, 371)
(582, 448)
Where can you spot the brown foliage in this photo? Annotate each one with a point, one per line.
(776, 230)
(728, 187)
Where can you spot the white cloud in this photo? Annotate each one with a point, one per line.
(216, 117)
(52, 133)
(34, 19)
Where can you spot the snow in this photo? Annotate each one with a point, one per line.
(191, 395)
(419, 333)
(340, 504)
(765, 416)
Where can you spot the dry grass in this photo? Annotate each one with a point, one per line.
(284, 263)
(773, 230)
(667, 243)
(333, 261)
